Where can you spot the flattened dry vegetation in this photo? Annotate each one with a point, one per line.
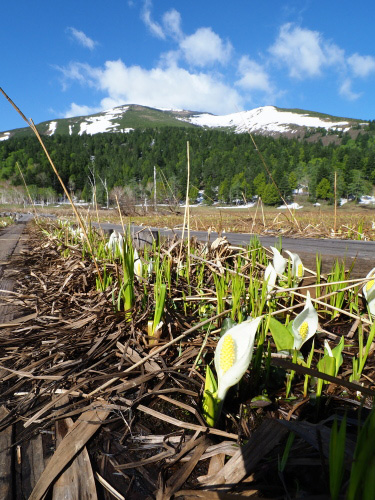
(114, 364)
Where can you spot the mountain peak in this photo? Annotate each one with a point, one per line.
(266, 120)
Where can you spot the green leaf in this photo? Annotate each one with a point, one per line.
(282, 337)
(336, 351)
(210, 383)
(209, 401)
(327, 365)
(337, 457)
(363, 457)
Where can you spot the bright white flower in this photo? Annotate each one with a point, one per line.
(279, 263)
(115, 243)
(369, 291)
(305, 324)
(233, 355)
(297, 266)
(150, 267)
(270, 276)
(137, 265)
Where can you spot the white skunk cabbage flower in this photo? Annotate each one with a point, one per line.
(138, 267)
(115, 242)
(270, 276)
(369, 291)
(279, 263)
(297, 266)
(305, 324)
(233, 355)
(150, 268)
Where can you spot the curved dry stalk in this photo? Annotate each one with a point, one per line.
(80, 222)
(328, 306)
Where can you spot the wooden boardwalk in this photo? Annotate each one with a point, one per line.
(10, 240)
(25, 465)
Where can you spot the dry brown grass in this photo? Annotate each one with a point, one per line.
(353, 221)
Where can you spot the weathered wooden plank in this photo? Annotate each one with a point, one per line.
(77, 481)
(32, 464)
(86, 425)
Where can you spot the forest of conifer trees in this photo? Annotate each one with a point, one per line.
(225, 165)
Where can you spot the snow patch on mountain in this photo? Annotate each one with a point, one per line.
(102, 123)
(4, 136)
(51, 128)
(267, 118)
(176, 110)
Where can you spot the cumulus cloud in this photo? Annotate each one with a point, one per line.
(184, 76)
(81, 38)
(171, 87)
(253, 76)
(361, 66)
(304, 51)
(205, 47)
(202, 48)
(347, 92)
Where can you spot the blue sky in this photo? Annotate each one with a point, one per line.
(75, 57)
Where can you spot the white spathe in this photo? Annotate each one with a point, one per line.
(138, 268)
(233, 355)
(150, 267)
(297, 266)
(305, 324)
(115, 242)
(369, 291)
(270, 276)
(279, 263)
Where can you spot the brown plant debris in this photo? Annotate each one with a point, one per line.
(81, 383)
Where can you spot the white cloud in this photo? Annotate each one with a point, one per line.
(80, 72)
(205, 47)
(153, 26)
(81, 38)
(171, 87)
(80, 110)
(168, 59)
(172, 23)
(304, 51)
(347, 92)
(253, 76)
(362, 66)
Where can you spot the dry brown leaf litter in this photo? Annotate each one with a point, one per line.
(75, 355)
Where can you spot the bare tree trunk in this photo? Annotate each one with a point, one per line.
(104, 184)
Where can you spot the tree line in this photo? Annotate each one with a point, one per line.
(225, 165)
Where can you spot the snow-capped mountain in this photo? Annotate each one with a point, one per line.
(267, 120)
(270, 120)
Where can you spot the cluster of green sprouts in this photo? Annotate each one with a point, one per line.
(274, 306)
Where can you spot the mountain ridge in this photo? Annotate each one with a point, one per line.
(265, 120)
